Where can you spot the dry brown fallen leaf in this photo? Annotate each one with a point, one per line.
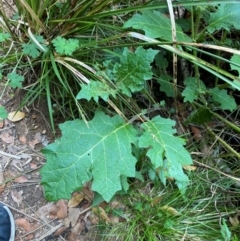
(21, 179)
(48, 209)
(73, 215)
(76, 198)
(62, 209)
(16, 116)
(25, 225)
(6, 137)
(17, 196)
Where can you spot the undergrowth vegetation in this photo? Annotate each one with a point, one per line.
(149, 91)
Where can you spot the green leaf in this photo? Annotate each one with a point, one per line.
(134, 69)
(226, 101)
(161, 61)
(193, 88)
(200, 116)
(3, 113)
(4, 37)
(15, 80)
(65, 46)
(165, 150)
(32, 49)
(99, 151)
(226, 17)
(155, 25)
(95, 89)
(236, 59)
(225, 232)
(166, 85)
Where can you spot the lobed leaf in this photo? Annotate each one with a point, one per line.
(100, 151)
(65, 46)
(32, 49)
(226, 101)
(15, 80)
(95, 89)
(4, 37)
(226, 17)
(193, 88)
(134, 69)
(166, 151)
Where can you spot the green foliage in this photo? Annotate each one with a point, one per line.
(15, 80)
(225, 232)
(65, 46)
(200, 116)
(227, 16)
(4, 37)
(133, 70)
(193, 88)
(32, 49)
(99, 151)
(95, 89)
(235, 59)
(226, 101)
(166, 85)
(84, 50)
(155, 25)
(165, 151)
(3, 113)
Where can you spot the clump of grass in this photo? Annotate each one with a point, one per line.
(162, 213)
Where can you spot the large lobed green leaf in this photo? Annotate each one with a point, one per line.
(155, 25)
(166, 151)
(99, 151)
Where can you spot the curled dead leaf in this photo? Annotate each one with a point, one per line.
(16, 116)
(76, 198)
(189, 168)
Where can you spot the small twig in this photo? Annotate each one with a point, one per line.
(17, 210)
(9, 155)
(18, 175)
